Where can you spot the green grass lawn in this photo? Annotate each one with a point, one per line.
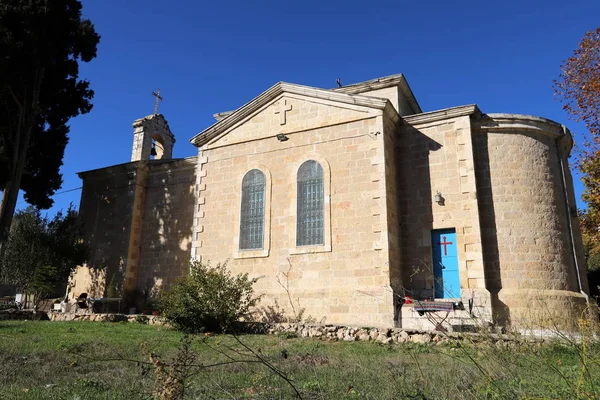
(90, 360)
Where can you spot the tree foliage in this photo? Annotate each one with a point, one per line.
(578, 87)
(210, 299)
(42, 252)
(41, 45)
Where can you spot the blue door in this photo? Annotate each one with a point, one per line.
(445, 264)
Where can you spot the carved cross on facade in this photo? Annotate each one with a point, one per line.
(158, 97)
(283, 108)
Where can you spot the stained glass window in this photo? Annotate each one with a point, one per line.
(309, 225)
(252, 221)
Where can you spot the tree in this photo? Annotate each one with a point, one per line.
(41, 44)
(578, 87)
(40, 253)
(27, 248)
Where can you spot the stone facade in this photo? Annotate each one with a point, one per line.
(533, 251)
(136, 215)
(392, 175)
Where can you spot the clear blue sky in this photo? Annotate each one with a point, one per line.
(212, 56)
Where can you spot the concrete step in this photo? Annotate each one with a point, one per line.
(451, 321)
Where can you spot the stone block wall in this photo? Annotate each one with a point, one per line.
(345, 280)
(437, 155)
(391, 140)
(527, 245)
(166, 235)
(106, 211)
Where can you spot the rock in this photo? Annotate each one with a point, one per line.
(421, 339)
(363, 336)
(349, 338)
(374, 333)
(382, 338)
(403, 337)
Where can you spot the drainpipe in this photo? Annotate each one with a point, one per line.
(568, 212)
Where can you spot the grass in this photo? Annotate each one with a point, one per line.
(90, 360)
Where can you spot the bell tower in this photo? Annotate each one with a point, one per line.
(152, 139)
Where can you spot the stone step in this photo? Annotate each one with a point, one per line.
(452, 321)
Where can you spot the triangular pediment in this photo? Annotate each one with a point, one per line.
(288, 108)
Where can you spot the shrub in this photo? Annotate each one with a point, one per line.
(210, 299)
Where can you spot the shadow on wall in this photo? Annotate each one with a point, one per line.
(416, 216)
(489, 238)
(106, 210)
(90, 280)
(166, 238)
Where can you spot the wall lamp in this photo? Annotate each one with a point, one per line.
(281, 137)
(439, 199)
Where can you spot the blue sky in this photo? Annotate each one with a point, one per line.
(208, 57)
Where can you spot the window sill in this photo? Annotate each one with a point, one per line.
(311, 249)
(261, 253)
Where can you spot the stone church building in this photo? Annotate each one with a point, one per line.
(351, 200)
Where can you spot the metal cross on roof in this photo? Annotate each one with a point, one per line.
(158, 97)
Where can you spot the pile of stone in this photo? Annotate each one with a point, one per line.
(351, 334)
(146, 319)
(322, 332)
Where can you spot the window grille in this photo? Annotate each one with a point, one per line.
(309, 225)
(252, 221)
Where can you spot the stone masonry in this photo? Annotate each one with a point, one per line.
(503, 180)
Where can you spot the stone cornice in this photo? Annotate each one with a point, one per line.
(439, 115)
(383, 83)
(118, 169)
(154, 165)
(391, 113)
(519, 122)
(271, 94)
(178, 163)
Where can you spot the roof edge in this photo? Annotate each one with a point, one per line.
(276, 90)
(438, 115)
(133, 165)
(382, 83)
(522, 122)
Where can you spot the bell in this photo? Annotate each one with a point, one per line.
(438, 198)
(153, 150)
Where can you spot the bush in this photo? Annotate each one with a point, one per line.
(210, 299)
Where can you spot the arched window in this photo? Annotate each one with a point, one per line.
(309, 213)
(252, 221)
